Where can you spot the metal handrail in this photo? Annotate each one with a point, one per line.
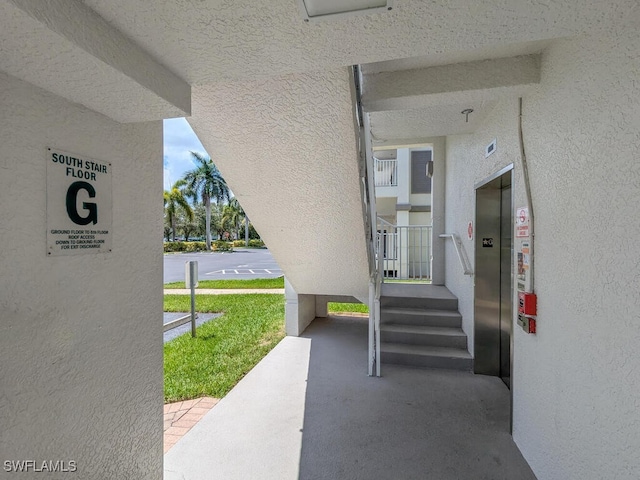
(382, 221)
(462, 254)
(366, 165)
(177, 322)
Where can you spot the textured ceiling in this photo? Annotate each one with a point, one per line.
(211, 40)
(449, 58)
(427, 102)
(66, 48)
(270, 93)
(391, 127)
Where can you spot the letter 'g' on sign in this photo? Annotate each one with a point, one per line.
(72, 204)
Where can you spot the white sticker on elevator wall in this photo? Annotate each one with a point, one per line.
(79, 204)
(522, 222)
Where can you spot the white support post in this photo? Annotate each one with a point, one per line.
(322, 306)
(299, 310)
(438, 212)
(377, 334)
(372, 328)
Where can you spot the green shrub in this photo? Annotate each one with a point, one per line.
(256, 243)
(185, 247)
(196, 247)
(174, 247)
(221, 246)
(238, 243)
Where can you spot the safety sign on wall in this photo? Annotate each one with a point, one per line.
(79, 204)
(522, 222)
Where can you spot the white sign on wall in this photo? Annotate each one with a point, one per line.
(79, 204)
(522, 222)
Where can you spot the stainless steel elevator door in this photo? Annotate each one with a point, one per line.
(493, 302)
(506, 282)
(487, 283)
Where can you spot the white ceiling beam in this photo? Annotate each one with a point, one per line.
(478, 81)
(66, 48)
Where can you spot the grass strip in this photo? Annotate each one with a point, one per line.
(335, 307)
(226, 348)
(228, 284)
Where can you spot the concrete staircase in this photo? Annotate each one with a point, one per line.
(421, 326)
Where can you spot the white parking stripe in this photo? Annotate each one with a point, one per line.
(247, 271)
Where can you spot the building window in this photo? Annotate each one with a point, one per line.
(420, 183)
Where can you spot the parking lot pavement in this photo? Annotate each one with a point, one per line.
(240, 264)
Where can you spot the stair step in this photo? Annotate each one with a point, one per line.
(432, 303)
(424, 335)
(427, 318)
(416, 290)
(425, 356)
(418, 296)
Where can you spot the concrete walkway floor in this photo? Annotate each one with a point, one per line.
(309, 411)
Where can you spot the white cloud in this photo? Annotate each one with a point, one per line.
(179, 140)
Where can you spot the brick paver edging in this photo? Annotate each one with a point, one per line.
(180, 417)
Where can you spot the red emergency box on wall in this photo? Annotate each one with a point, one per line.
(527, 303)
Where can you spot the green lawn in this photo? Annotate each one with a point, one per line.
(226, 348)
(335, 307)
(253, 283)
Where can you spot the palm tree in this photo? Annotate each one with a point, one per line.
(206, 182)
(174, 200)
(233, 215)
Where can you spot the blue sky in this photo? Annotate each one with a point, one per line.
(179, 140)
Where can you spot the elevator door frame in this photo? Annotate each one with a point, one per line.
(486, 333)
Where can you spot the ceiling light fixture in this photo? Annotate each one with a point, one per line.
(466, 113)
(325, 9)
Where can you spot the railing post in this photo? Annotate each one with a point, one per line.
(192, 280)
(377, 332)
(372, 327)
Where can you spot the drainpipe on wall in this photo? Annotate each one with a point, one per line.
(527, 187)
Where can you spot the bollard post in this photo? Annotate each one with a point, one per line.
(192, 282)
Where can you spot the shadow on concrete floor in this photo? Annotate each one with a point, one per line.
(409, 424)
(308, 410)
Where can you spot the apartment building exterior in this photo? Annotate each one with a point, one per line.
(272, 98)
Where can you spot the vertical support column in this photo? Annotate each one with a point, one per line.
(374, 332)
(402, 211)
(322, 306)
(402, 240)
(378, 340)
(404, 176)
(299, 310)
(438, 186)
(372, 326)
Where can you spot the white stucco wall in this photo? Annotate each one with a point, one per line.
(80, 342)
(467, 165)
(287, 148)
(575, 383)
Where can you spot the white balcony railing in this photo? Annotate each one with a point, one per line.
(405, 251)
(386, 173)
